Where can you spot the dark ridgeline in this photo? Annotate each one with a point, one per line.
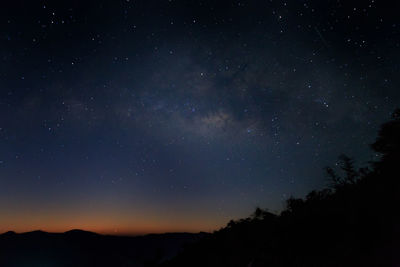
(81, 248)
(354, 222)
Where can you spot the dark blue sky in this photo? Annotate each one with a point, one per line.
(150, 116)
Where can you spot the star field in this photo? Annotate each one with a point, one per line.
(151, 116)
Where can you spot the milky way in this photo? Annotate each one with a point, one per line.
(149, 116)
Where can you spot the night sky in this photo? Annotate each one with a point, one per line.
(152, 116)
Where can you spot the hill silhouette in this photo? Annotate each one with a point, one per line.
(355, 221)
(83, 248)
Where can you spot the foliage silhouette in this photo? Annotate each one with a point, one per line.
(353, 222)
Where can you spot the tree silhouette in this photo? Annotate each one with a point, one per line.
(388, 141)
(353, 222)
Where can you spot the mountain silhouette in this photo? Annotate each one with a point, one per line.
(83, 248)
(77, 233)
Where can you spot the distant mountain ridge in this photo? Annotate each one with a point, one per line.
(84, 248)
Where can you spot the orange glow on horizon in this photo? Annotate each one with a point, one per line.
(107, 225)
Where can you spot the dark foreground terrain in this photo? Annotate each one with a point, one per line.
(81, 248)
